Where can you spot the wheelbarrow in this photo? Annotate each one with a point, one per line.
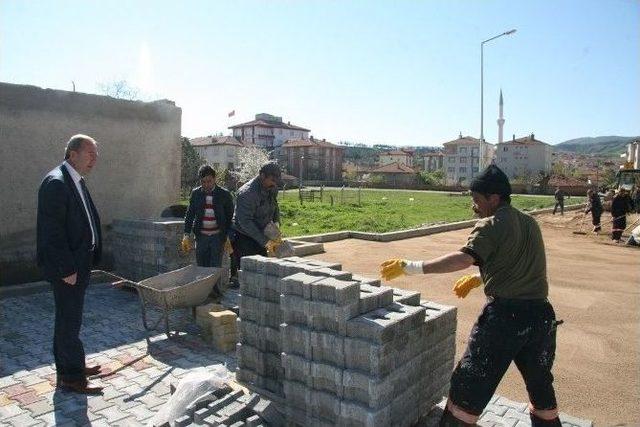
(187, 287)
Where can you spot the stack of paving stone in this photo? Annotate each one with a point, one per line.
(229, 407)
(146, 248)
(218, 326)
(347, 351)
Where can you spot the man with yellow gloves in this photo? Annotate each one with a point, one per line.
(517, 322)
(256, 208)
(209, 216)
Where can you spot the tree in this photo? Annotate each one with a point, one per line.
(120, 89)
(432, 178)
(191, 162)
(251, 160)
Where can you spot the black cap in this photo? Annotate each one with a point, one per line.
(491, 181)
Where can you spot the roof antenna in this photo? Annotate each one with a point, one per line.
(74, 85)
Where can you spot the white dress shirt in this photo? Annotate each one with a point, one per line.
(76, 179)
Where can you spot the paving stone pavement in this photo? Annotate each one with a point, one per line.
(138, 380)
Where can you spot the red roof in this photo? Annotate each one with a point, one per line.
(464, 139)
(394, 167)
(269, 124)
(529, 139)
(311, 142)
(215, 140)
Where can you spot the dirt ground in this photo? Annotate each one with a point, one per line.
(594, 287)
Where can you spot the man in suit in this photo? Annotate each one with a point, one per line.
(209, 217)
(69, 244)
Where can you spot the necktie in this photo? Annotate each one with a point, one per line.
(87, 199)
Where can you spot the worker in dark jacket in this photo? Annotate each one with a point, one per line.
(594, 205)
(209, 216)
(256, 207)
(559, 196)
(621, 205)
(517, 323)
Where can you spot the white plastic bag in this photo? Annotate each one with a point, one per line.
(190, 388)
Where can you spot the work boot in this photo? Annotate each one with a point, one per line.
(539, 422)
(448, 420)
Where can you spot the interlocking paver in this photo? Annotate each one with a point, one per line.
(22, 420)
(113, 414)
(38, 408)
(12, 410)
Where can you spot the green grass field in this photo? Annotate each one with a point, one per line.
(383, 210)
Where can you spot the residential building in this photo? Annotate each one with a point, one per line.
(395, 174)
(522, 157)
(221, 152)
(320, 160)
(268, 131)
(432, 162)
(402, 156)
(462, 158)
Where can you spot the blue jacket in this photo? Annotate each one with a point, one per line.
(222, 206)
(64, 232)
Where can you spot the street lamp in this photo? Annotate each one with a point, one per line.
(482, 145)
(301, 163)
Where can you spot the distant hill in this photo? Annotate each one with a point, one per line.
(598, 145)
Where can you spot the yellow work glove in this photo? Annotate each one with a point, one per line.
(186, 244)
(227, 246)
(464, 284)
(396, 267)
(272, 246)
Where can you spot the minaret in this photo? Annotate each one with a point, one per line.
(500, 119)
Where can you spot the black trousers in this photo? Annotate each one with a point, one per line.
(595, 220)
(559, 203)
(618, 227)
(244, 246)
(68, 351)
(522, 331)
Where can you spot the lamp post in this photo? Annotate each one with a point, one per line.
(482, 145)
(301, 163)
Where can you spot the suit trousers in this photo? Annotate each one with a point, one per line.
(68, 350)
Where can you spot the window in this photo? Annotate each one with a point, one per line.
(505, 148)
(451, 169)
(463, 170)
(463, 150)
(474, 151)
(452, 159)
(474, 170)
(474, 161)
(463, 160)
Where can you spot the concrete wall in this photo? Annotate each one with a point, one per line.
(137, 174)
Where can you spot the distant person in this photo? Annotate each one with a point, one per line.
(256, 207)
(634, 238)
(621, 205)
(209, 217)
(594, 205)
(69, 243)
(559, 196)
(636, 199)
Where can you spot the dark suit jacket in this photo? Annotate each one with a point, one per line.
(64, 232)
(222, 206)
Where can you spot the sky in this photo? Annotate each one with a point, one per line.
(404, 73)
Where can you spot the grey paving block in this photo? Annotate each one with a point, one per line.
(250, 263)
(297, 368)
(325, 406)
(384, 324)
(263, 363)
(374, 297)
(329, 272)
(366, 280)
(327, 347)
(268, 411)
(297, 394)
(404, 296)
(296, 339)
(355, 414)
(253, 421)
(298, 284)
(264, 338)
(335, 290)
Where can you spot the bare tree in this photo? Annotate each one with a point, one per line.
(251, 159)
(120, 89)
